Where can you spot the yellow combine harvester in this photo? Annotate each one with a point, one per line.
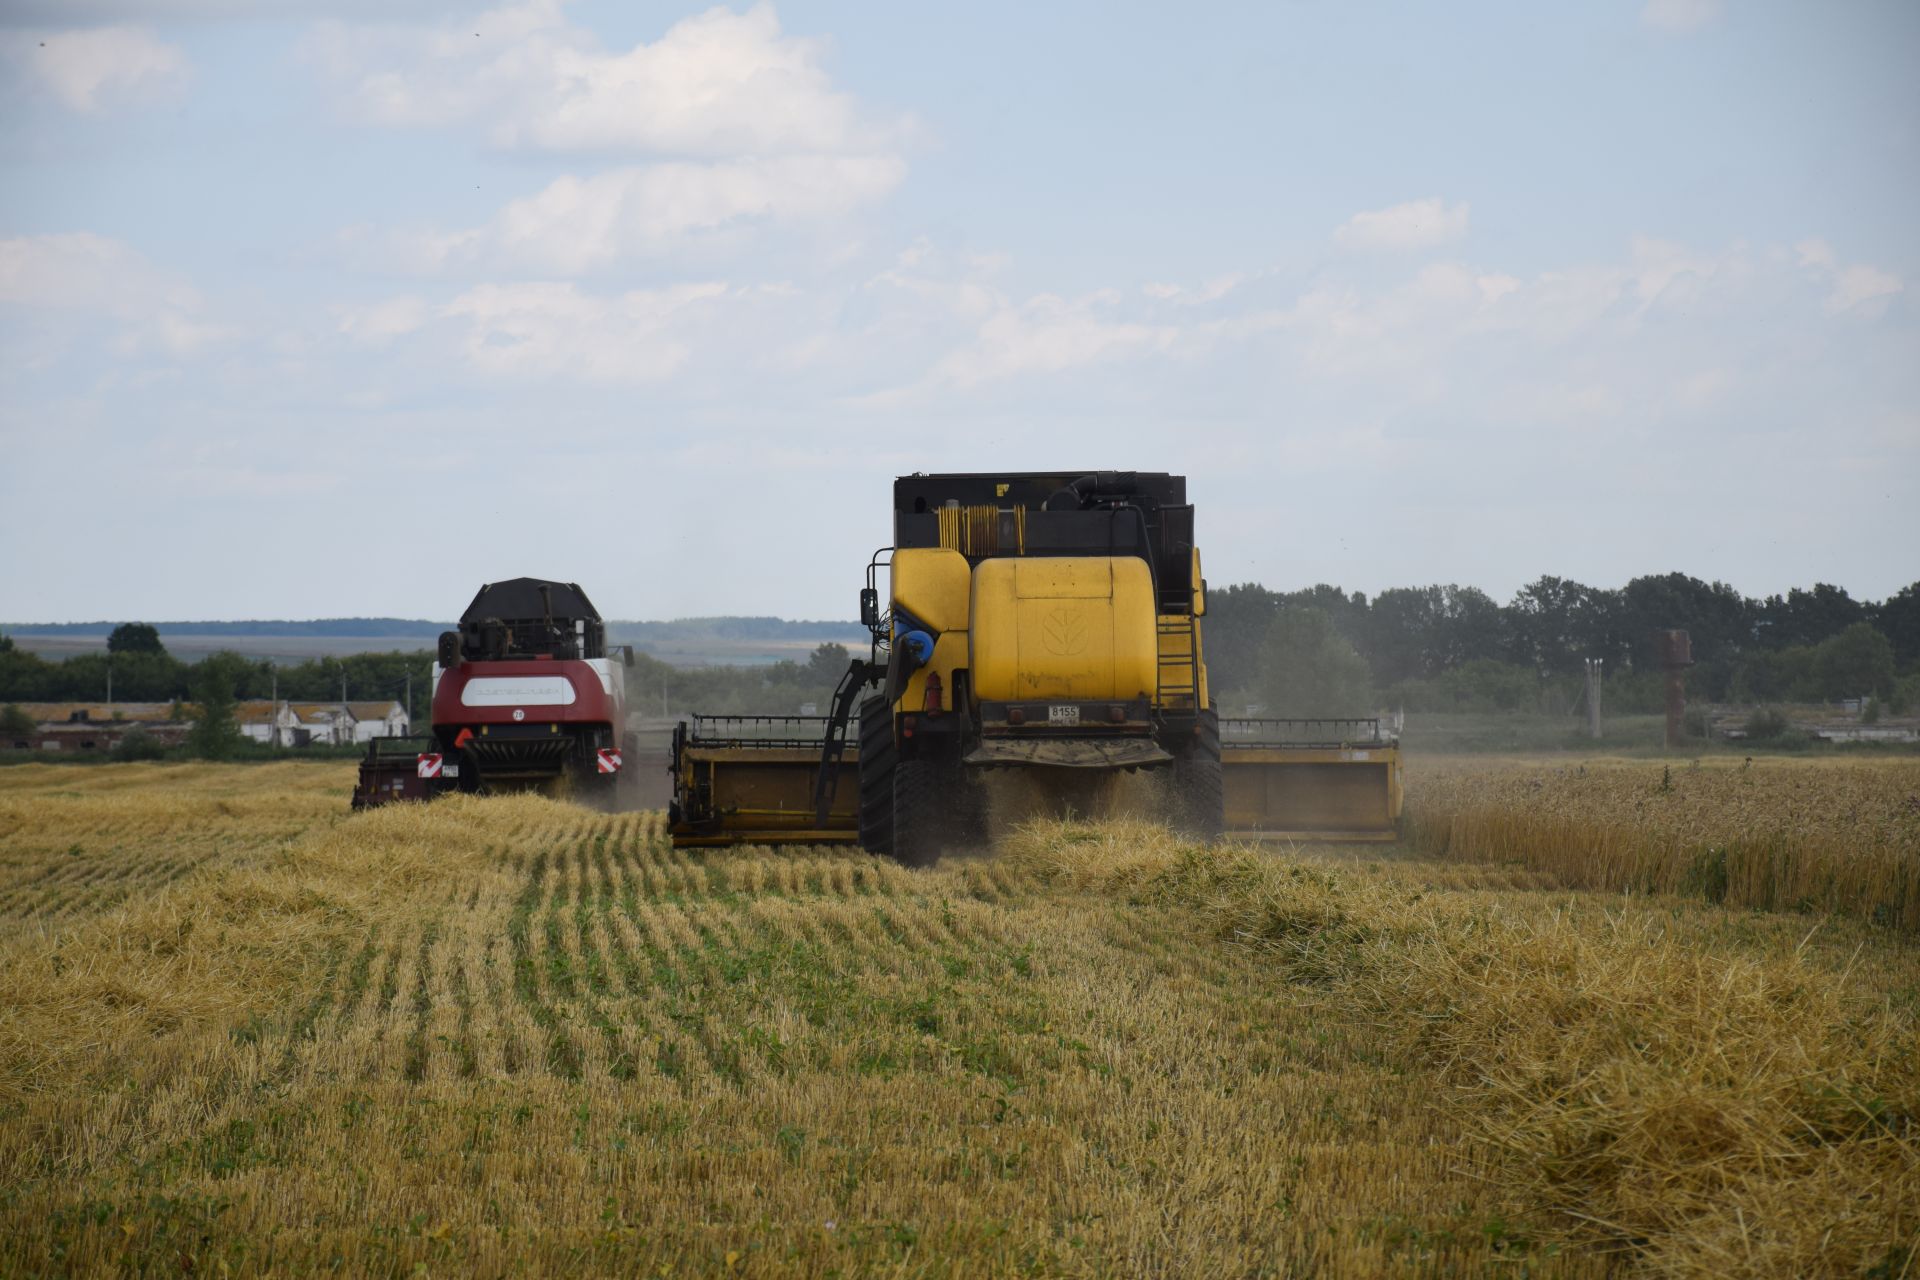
(1049, 624)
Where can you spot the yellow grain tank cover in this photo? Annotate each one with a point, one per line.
(932, 584)
(1067, 629)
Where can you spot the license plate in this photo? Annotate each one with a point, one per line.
(1063, 715)
(450, 771)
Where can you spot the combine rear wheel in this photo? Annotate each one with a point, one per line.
(917, 805)
(937, 806)
(1199, 800)
(877, 757)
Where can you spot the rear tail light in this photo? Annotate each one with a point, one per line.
(1117, 714)
(934, 693)
(1016, 715)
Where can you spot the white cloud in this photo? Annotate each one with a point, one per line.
(1815, 253)
(1048, 334)
(576, 224)
(1856, 286)
(86, 275)
(1045, 335)
(741, 124)
(1864, 287)
(1680, 15)
(384, 320)
(1198, 295)
(716, 84)
(1417, 224)
(92, 68)
(540, 330)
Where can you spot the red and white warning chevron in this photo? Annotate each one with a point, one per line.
(609, 760)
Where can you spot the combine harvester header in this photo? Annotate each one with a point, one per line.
(1045, 623)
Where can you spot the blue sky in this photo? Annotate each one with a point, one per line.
(313, 309)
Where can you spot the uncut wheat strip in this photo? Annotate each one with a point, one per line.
(377, 1041)
(685, 871)
(675, 930)
(758, 878)
(810, 875)
(542, 979)
(439, 1040)
(620, 1048)
(670, 924)
(505, 1038)
(661, 1041)
(606, 877)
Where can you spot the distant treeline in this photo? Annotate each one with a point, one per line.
(154, 675)
(684, 630)
(410, 628)
(675, 630)
(1452, 647)
(1323, 650)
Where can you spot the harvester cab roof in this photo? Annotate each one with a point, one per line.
(526, 618)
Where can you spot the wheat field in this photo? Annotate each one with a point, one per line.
(244, 1033)
(1774, 833)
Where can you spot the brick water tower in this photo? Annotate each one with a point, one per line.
(1675, 650)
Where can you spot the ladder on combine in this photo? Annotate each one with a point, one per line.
(1179, 661)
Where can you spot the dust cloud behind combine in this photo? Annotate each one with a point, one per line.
(1016, 797)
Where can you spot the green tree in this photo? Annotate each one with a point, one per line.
(1807, 617)
(1898, 618)
(1559, 623)
(1906, 695)
(1232, 633)
(134, 637)
(138, 744)
(1310, 669)
(1857, 662)
(216, 735)
(27, 676)
(1785, 675)
(15, 721)
(1718, 619)
(829, 662)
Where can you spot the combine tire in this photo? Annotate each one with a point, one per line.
(1199, 787)
(877, 758)
(922, 796)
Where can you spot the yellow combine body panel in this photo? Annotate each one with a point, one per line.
(1071, 628)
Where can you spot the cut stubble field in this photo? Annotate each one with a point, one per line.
(246, 1033)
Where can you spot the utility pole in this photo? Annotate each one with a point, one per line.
(273, 712)
(1593, 697)
(109, 686)
(409, 697)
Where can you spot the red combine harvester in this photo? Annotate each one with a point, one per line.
(526, 697)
